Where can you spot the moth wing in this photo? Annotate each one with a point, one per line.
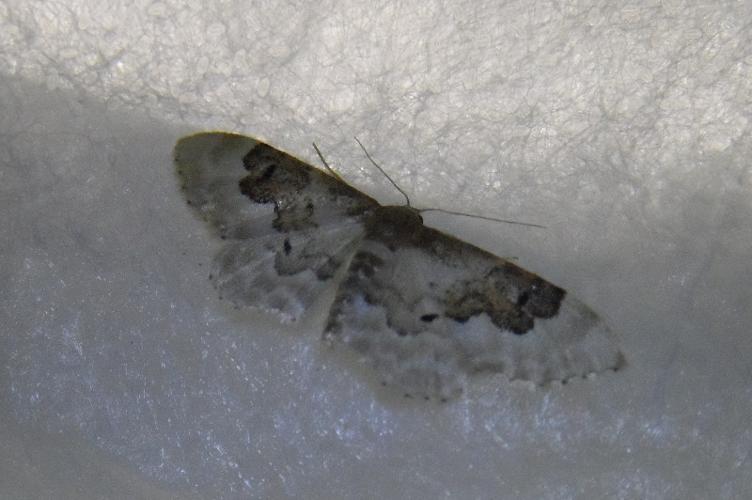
(428, 310)
(287, 226)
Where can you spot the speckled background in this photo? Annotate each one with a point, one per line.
(624, 129)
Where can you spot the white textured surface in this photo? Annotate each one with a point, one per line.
(624, 129)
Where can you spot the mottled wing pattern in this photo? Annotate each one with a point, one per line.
(287, 226)
(428, 310)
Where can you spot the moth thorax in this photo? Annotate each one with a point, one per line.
(394, 221)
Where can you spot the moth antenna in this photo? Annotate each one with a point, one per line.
(330, 169)
(505, 221)
(407, 198)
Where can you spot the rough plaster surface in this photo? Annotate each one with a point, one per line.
(624, 129)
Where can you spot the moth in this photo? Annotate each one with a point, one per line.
(426, 310)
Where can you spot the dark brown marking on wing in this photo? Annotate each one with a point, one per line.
(536, 296)
(511, 296)
(272, 175)
(278, 178)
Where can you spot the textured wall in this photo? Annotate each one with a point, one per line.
(624, 129)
